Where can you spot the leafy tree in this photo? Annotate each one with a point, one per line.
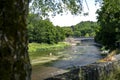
(68, 31)
(109, 20)
(56, 6)
(86, 29)
(43, 31)
(60, 34)
(77, 33)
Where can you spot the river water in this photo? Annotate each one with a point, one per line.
(82, 54)
(85, 53)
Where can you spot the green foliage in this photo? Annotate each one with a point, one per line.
(77, 33)
(109, 19)
(86, 29)
(37, 50)
(60, 34)
(34, 47)
(43, 31)
(43, 7)
(68, 31)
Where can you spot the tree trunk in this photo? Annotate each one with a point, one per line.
(14, 59)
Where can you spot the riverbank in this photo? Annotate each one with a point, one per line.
(108, 69)
(70, 57)
(110, 56)
(43, 53)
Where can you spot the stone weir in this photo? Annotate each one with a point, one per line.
(95, 71)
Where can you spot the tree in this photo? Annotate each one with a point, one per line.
(86, 29)
(60, 34)
(43, 31)
(68, 31)
(56, 6)
(14, 59)
(109, 20)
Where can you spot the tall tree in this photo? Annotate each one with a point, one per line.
(14, 59)
(109, 19)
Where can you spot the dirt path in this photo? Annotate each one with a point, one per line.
(41, 60)
(42, 72)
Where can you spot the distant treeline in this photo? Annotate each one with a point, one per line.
(85, 29)
(43, 31)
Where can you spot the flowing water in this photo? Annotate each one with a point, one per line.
(82, 54)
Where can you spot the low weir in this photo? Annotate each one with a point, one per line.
(95, 71)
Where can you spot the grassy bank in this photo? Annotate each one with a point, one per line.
(35, 47)
(42, 53)
(40, 57)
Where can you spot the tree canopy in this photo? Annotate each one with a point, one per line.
(43, 31)
(86, 29)
(53, 7)
(56, 6)
(109, 20)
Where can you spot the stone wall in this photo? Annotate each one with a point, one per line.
(95, 71)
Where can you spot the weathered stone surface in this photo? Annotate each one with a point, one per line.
(95, 71)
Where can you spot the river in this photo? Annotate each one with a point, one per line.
(82, 54)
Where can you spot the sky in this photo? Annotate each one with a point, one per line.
(69, 20)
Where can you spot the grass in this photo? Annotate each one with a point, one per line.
(40, 53)
(35, 47)
(41, 59)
